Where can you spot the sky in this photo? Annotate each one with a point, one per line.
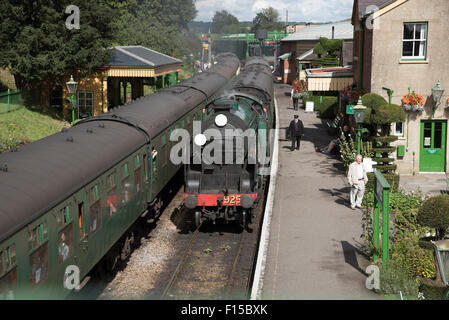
(298, 10)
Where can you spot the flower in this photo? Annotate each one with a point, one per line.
(414, 99)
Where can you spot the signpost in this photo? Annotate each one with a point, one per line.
(349, 109)
(381, 200)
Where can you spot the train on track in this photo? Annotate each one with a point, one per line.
(229, 180)
(68, 201)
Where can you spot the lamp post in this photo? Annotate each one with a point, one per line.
(437, 93)
(72, 85)
(359, 114)
(442, 257)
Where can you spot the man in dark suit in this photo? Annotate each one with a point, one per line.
(296, 132)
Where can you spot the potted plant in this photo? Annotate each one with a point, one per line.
(413, 102)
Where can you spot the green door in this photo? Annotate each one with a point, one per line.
(433, 146)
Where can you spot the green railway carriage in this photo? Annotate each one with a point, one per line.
(69, 200)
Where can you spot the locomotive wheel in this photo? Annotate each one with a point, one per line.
(197, 218)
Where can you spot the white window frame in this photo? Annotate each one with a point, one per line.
(423, 41)
(78, 101)
(395, 131)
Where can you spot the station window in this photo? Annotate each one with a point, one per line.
(8, 273)
(39, 265)
(37, 236)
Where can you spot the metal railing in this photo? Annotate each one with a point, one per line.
(10, 100)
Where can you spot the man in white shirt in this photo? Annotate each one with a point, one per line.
(357, 179)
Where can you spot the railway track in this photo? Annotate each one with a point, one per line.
(217, 262)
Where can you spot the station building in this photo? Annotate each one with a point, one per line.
(401, 45)
(130, 69)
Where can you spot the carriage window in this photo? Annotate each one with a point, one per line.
(95, 216)
(64, 216)
(111, 202)
(137, 180)
(81, 219)
(65, 243)
(8, 285)
(125, 170)
(93, 194)
(126, 190)
(39, 265)
(111, 180)
(164, 155)
(37, 236)
(137, 161)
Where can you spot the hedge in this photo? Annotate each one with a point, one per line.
(393, 180)
(326, 108)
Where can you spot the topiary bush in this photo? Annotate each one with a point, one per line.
(392, 179)
(373, 101)
(382, 117)
(434, 213)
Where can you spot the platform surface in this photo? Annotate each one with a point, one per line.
(314, 243)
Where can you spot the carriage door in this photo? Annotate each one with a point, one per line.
(433, 146)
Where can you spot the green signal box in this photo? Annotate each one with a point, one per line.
(349, 109)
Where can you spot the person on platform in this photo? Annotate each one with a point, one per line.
(296, 132)
(295, 96)
(357, 179)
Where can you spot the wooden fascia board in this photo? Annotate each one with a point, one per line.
(388, 8)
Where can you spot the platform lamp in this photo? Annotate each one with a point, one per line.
(437, 93)
(72, 85)
(359, 114)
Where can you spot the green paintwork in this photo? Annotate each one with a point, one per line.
(349, 109)
(432, 157)
(401, 151)
(381, 201)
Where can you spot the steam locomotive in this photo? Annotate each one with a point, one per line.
(233, 149)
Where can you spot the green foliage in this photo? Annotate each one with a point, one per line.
(26, 125)
(157, 24)
(434, 213)
(267, 18)
(385, 139)
(318, 49)
(393, 280)
(326, 108)
(392, 179)
(330, 46)
(373, 101)
(348, 150)
(414, 261)
(387, 114)
(224, 22)
(37, 47)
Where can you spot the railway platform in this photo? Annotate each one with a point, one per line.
(314, 243)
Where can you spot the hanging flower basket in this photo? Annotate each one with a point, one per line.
(447, 103)
(413, 102)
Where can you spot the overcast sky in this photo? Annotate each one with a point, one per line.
(298, 10)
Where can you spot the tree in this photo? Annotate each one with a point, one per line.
(158, 24)
(434, 213)
(38, 48)
(224, 22)
(327, 51)
(267, 19)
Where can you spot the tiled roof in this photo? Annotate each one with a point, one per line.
(364, 4)
(343, 30)
(138, 56)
